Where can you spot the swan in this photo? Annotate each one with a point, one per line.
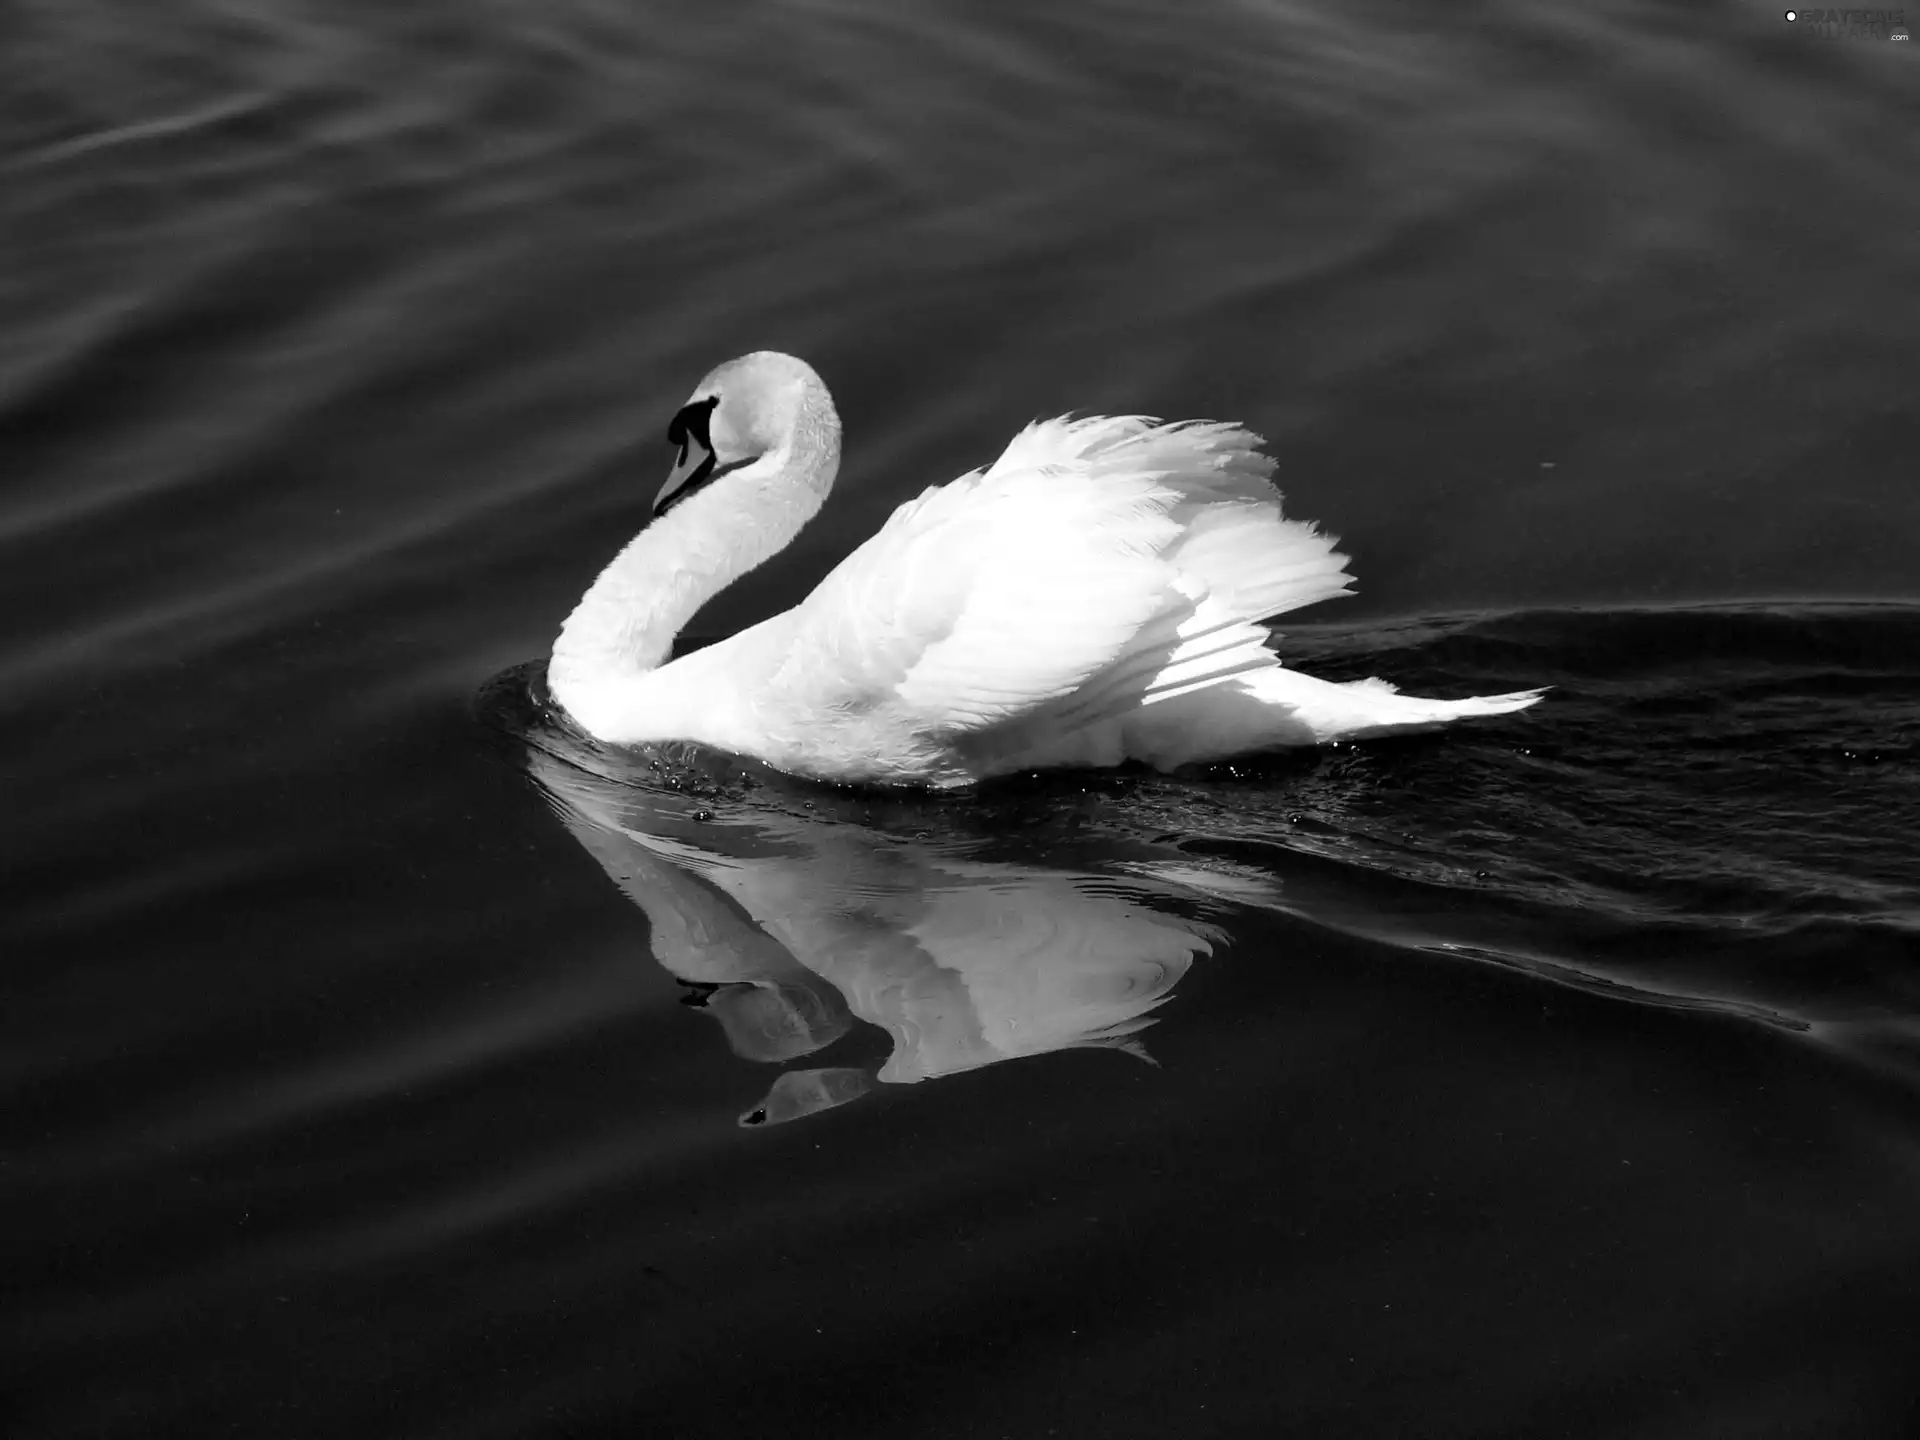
(1090, 598)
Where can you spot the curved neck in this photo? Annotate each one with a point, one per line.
(625, 624)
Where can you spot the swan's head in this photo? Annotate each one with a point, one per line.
(764, 415)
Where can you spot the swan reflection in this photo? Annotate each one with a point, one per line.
(788, 926)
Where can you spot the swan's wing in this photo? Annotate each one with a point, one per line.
(1097, 559)
(986, 596)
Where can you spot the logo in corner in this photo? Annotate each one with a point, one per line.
(1851, 24)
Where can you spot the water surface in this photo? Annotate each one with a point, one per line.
(376, 1054)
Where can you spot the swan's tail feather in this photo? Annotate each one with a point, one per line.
(1475, 706)
(1359, 708)
(1276, 709)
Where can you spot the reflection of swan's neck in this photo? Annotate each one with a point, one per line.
(625, 624)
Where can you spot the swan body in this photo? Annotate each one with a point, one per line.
(1093, 596)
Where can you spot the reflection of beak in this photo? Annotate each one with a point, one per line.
(688, 471)
(807, 1092)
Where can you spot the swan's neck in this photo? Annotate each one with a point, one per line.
(624, 626)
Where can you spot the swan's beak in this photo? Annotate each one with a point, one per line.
(688, 471)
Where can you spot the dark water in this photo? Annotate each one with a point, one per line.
(1559, 1076)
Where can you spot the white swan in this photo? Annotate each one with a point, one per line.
(1091, 597)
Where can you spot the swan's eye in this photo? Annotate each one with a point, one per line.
(690, 425)
(697, 465)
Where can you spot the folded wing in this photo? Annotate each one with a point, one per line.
(1100, 565)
